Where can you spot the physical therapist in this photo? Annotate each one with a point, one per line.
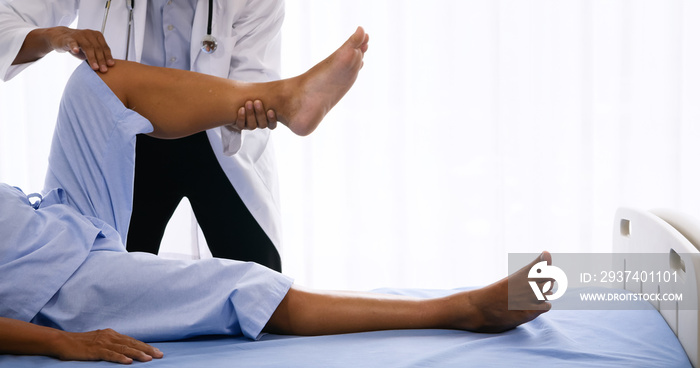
(228, 174)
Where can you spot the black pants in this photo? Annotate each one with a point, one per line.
(167, 171)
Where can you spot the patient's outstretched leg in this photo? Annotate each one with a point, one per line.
(305, 312)
(179, 103)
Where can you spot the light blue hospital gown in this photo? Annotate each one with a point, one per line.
(64, 264)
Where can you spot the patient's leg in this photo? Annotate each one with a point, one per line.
(180, 103)
(304, 312)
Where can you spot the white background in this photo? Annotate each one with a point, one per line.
(476, 129)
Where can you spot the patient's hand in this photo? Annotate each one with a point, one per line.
(107, 345)
(24, 338)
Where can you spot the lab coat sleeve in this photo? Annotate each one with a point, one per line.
(19, 17)
(256, 54)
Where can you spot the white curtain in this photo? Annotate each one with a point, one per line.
(476, 129)
(479, 128)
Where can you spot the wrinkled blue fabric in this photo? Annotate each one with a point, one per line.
(557, 339)
(63, 264)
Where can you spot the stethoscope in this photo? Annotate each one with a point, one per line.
(209, 43)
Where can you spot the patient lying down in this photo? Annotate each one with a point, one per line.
(85, 282)
(301, 312)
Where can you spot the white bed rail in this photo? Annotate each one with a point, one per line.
(677, 237)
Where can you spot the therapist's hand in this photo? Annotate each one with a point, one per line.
(253, 116)
(107, 345)
(84, 44)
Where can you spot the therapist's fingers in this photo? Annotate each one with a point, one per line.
(74, 49)
(83, 44)
(253, 116)
(260, 116)
(94, 46)
(250, 119)
(271, 119)
(240, 119)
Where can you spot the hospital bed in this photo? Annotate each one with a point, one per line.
(650, 335)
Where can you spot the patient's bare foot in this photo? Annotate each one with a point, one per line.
(319, 89)
(486, 309)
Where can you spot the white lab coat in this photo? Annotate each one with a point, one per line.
(248, 35)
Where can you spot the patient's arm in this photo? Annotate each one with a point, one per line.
(22, 338)
(179, 103)
(305, 312)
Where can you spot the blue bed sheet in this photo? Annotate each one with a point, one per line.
(560, 338)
